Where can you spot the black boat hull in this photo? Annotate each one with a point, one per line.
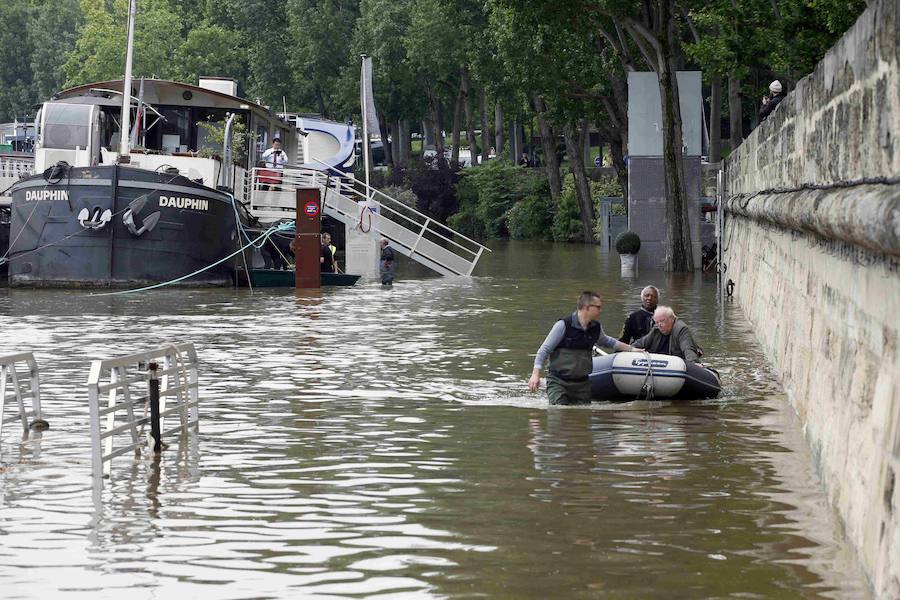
(49, 247)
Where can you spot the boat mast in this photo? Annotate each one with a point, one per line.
(125, 132)
(365, 122)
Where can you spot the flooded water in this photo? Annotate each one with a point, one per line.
(370, 442)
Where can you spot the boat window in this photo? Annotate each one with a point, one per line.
(176, 129)
(66, 126)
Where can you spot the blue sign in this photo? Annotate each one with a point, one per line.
(598, 162)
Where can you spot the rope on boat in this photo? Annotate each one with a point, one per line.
(647, 377)
(263, 237)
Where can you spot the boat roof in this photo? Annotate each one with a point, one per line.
(155, 89)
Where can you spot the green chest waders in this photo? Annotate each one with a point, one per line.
(567, 378)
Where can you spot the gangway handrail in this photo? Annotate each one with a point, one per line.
(380, 193)
(8, 372)
(179, 386)
(341, 186)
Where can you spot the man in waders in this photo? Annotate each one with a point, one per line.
(569, 346)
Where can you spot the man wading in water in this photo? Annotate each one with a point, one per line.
(569, 346)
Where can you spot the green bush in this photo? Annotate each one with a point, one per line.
(530, 219)
(628, 242)
(567, 218)
(489, 192)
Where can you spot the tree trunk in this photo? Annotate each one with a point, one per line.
(678, 232)
(405, 145)
(457, 125)
(617, 150)
(434, 116)
(548, 143)
(715, 120)
(470, 123)
(385, 141)
(498, 129)
(397, 145)
(574, 136)
(485, 130)
(734, 112)
(427, 130)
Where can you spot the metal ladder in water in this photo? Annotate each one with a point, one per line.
(350, 201)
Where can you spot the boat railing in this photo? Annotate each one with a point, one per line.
(125, 383)
(14, 166)
(272, 197)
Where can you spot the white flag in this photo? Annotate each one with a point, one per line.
(367, 98)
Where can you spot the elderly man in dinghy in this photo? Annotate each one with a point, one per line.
(569, 345)
(670, 336)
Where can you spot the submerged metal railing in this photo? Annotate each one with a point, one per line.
(126, 383)
(26, 388)
(273, 197)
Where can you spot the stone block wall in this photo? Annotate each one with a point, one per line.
(647, 207)
(812, 242)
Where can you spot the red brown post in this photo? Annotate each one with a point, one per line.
(307, 243)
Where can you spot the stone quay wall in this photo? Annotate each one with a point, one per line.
(812, 244)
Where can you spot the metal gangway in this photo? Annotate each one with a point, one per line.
(121, 398)
(272, 196)
(20, 386)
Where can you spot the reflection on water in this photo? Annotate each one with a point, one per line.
(368, 442)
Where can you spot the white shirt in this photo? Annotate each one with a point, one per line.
(275, 161)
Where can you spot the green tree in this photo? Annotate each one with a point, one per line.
(210, 50)
(56, 24)
(100, 50)
(16, 92)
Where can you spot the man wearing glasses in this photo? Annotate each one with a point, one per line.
(670, 336)
(568, 346)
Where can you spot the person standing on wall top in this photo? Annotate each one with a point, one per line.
(568, 346)
(640, 322)
(670, 336)
(386, 265)
(770, 101)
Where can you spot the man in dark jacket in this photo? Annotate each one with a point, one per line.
(640, 322)
(670, 336)
(776, 95)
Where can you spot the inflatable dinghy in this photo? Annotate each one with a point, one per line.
(634, 375)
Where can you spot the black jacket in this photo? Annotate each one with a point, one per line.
(637, 325)
(769, 106)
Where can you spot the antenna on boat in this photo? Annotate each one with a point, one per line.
(125, 131)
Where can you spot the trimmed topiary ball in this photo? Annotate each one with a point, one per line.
(628, 242)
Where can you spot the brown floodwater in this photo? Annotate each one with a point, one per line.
(370, 442)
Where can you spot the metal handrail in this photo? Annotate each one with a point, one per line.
(180, 384)
(8, 373)
(344, 185)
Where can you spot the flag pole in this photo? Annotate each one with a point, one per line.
(365, 126)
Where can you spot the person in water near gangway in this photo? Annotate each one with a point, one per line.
(670, 336)
(569, 345)
(640, 322)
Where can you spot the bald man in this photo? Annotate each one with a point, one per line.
(670, 336)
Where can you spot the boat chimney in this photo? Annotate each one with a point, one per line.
(223, 85)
